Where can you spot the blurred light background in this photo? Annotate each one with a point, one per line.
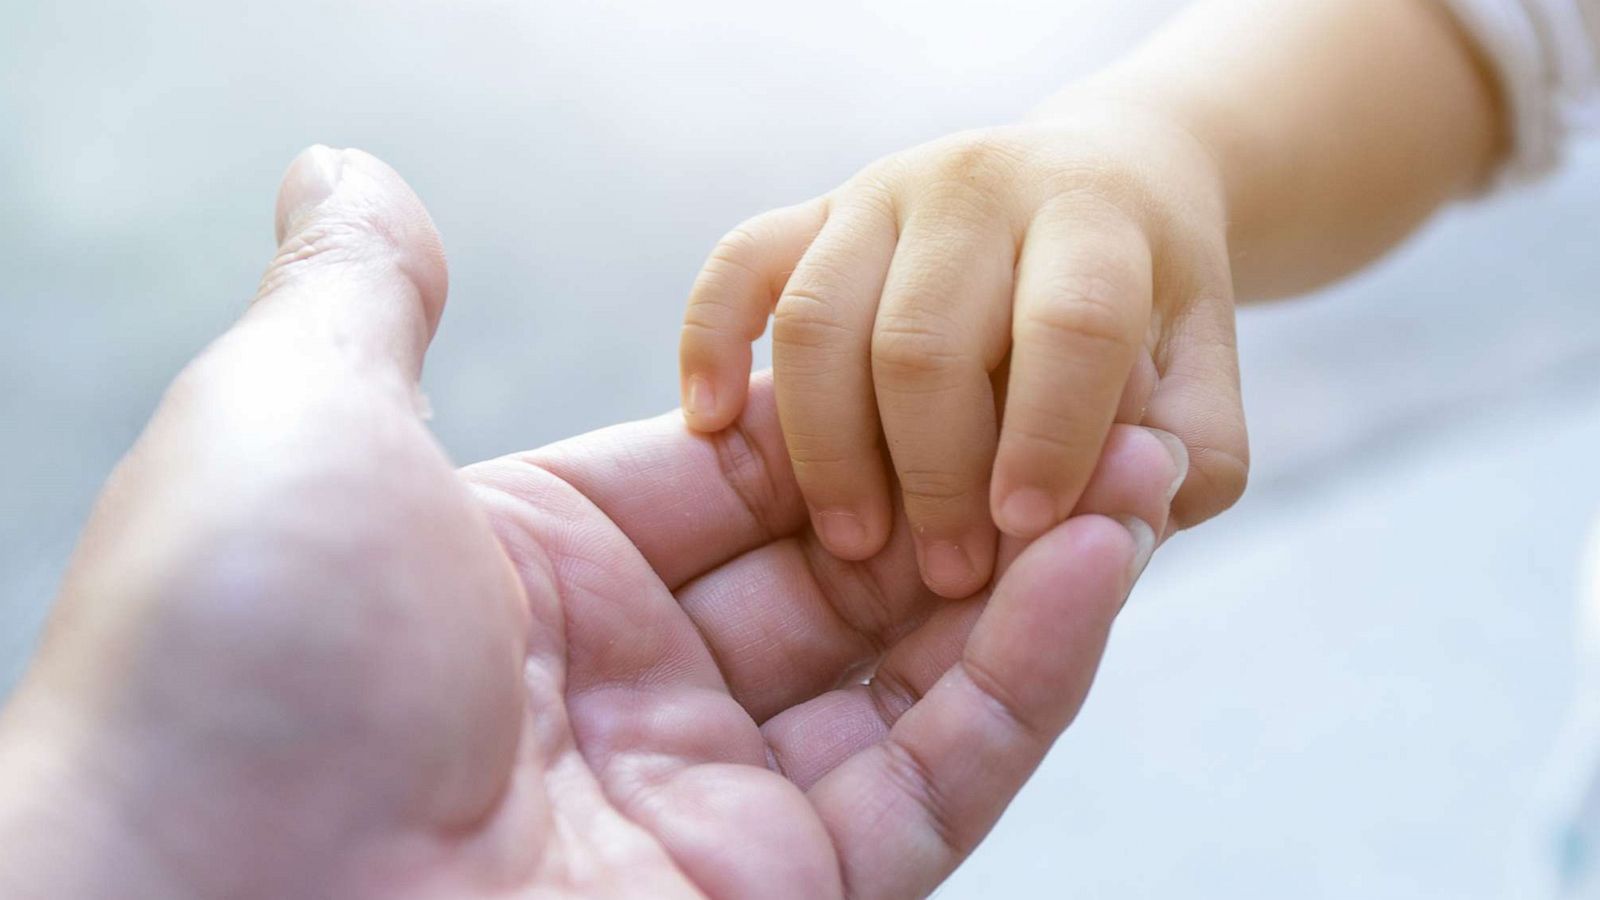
(1347, 687)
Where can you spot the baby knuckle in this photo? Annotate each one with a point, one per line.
(912, 348)
(965, 206)
(1084, 309)
(822, 452)
(977, 156)
(804, 319)
(873, 192)
(935, 489)
(738, 249)
(712, 317)
(1096, 181)
(701, 330)
(1048, 435)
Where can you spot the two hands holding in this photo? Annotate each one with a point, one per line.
(810, 645)
(298, 654)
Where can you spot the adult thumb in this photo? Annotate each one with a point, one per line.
(360, 271)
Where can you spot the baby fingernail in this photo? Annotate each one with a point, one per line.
(1144, 545)
(948, 565)
(701, 398)
(841, 530)
(1027, 513)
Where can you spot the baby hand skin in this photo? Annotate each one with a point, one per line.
(984, 307)
(989, 303)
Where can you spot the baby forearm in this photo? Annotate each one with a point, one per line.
(1338, 126)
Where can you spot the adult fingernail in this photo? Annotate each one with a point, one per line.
(1180, 459)
(1144, 545)
(312, 178)
(841, 531)
(1027, 513)
(701, 398)
(947, 565)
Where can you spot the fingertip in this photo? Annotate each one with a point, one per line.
(1025, 512)
(1136, 474)
(956, 568)
(700, 424)
(1037, 481)
(357, 248)
(711, 404)
(334, 193)
(1179, 455)
(1024, 504)
(848, 534)
(1154, 460)
(310, 179)
(700, 403)
(1144, 545)
(1100, 554)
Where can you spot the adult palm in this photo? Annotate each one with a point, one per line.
(299, 655)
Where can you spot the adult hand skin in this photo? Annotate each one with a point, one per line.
(298, 654)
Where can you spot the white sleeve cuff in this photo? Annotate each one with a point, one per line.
(1546, 54)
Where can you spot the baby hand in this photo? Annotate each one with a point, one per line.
(989, 303)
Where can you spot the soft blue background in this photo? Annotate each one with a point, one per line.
(1346, 688)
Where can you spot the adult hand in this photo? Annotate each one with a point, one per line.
(297, 654)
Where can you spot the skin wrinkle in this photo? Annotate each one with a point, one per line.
(716, 658)
(747, 473)
(525, 554)
(911, 775)
(873, 193)
(742, 468)
(829, 571)
(891, 696)
(717, 652)
(571, 494)
(805, 319)
(827, 575)
(999, 699)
